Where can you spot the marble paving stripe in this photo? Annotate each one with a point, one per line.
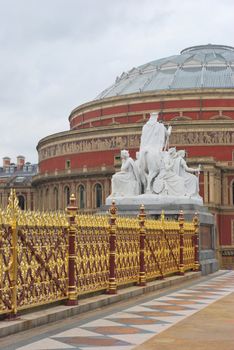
(122, 315)
(117, 330)
(156, 314)
(101, 322)
(107, 347)
(155, 328)
(98, 341)
(168, 307)
(74, 332)
(137, 308)
(45, 344)
(137, 339)
(172, 319)
(136, 321)
(183, 302)
(191, 296)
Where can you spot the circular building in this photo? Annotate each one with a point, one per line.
(193, 91)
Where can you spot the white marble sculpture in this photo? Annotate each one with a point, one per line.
(168, 182)
(158, 175)
(191, 180)
(154, 140)
(126, 182)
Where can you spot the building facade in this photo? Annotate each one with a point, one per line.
(18, 176)
(192, 91)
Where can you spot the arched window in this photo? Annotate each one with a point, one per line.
(81, 197)
(56, 199)
(232, 192)
(41, 200)
(66, 196)
(98, 195)
(21, 200)
(47, 205)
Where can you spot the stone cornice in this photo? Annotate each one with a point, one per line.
(155, 96)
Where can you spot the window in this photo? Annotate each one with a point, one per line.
(41, 200)
(68, 164)
(47, 206)
(232, 233)
(56, 201)
(233, 193)
(66, 196)
(98, 195)
(21, 200)
(81, 197)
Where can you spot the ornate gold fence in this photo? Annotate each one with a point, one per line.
(127, 250)
(92, 253)
(34, 258)
(46, 257)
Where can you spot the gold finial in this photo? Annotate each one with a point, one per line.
(72, 200)
(113, 208)
(13, 210)
(181, 215)
(196, 219)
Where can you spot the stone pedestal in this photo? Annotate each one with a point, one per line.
(172, 205)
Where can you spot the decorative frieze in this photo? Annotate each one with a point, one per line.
(211, 137)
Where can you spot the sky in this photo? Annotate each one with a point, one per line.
(57, 54)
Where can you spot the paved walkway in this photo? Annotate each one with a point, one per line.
(198, 317)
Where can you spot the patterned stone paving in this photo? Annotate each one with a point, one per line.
(128, 328)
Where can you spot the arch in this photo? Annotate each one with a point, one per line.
(220, 117)
(181, 118)
(232, 192)
(47, 199)
(98, 195)
(21, 201)
(56, 198)
(81, 196)
(41, 204)
(66, 195)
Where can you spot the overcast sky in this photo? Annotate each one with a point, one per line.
(58, 54)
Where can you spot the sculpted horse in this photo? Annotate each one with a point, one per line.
(149, 165)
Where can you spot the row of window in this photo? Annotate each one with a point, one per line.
(81, 196)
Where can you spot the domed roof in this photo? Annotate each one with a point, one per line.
(204, 66)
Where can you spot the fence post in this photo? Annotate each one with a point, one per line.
(196, 266)
(112, 242)
(13, 210)
(14, 268)
(181, 233)
(72, 289)
(141, 218)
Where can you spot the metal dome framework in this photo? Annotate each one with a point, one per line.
(197, 67)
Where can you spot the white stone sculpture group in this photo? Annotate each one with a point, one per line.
(158, 169)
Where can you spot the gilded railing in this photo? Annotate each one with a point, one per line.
(154, 249)
(189, 248)
(162, 247)
(92, 253)
(33, 258)
(6, 261)
(127, 250)
(47, 257)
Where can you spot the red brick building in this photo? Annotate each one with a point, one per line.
(193, 91)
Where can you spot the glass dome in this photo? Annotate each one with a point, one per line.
(197, 67)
